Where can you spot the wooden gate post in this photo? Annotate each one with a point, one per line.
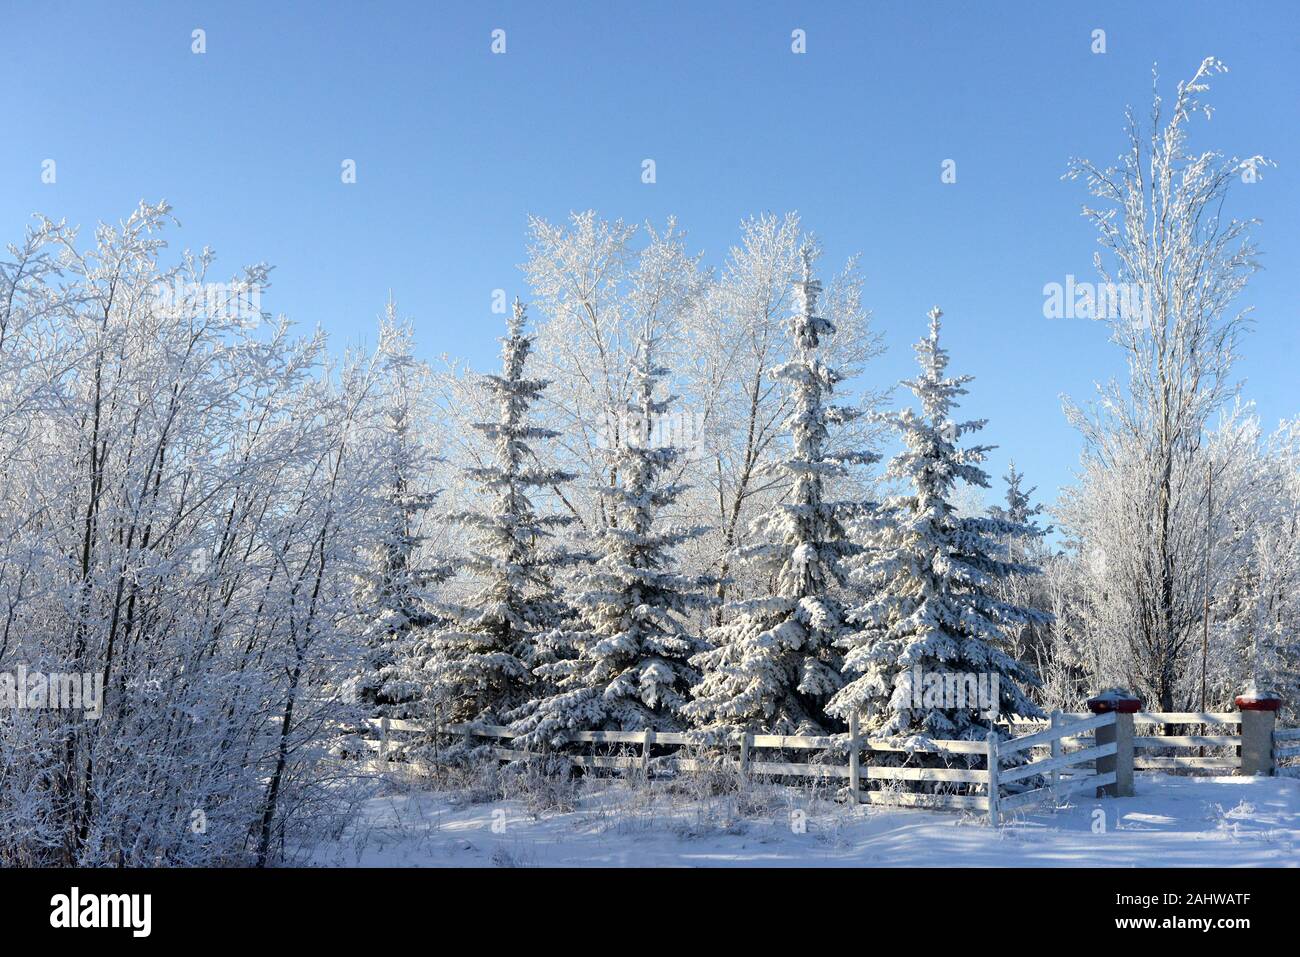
(1258, 716)
(1124, 706)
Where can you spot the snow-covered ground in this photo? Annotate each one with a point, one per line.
(1173, 821)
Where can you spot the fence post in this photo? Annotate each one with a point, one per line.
(1258, 717)
(855, 778)
(435, 734)
(646, 741)
(1054, 723)
(383, 739)
(745, 738)
(1123, 705)
(995, 797)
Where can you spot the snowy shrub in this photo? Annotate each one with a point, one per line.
(543, 784)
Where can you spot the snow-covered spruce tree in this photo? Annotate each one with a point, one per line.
(395, 592)
(1019, 509)
(479, 666)
(1030, 642)
(775, 664)
(932, 578)
(626, 666)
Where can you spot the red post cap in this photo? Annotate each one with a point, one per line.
(1257, 702)
(1118, 701)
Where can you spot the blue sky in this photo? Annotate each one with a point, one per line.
(455, 147)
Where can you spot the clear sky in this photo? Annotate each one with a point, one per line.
(455, 146)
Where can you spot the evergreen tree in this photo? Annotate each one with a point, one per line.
(396, 590)
(479, 666)
(932, 577)
(1019, 509)
(775, 664)
(627, 666)
(1030, 641)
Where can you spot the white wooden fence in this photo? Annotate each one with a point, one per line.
(997, 787)
(1064, 758)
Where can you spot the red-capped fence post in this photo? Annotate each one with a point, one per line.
(1124, 706)
(1258, 716)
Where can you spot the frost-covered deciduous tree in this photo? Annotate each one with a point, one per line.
(183, 518)
(1222, 499)
(931, 578)
(1260, 608)
(775, 665)
(479, 666)
(600, 286)
(1164, 237)
(626, 665)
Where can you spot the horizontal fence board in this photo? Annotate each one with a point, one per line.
(896, 746)
(1075, 741)
(1187, 741)
(775, 741)
(613, 761)
(1055, 764)
(798, 770)
(605, 737)
(1286, 734)
(1289, 752)
(959, 775)
(791, 741)
(628, 737)
(603, 761)
(823, 741)
(693, 764)
(1160, 763)
(1016, 745)
(480, 730)
(904, 799)
(1187, 717)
